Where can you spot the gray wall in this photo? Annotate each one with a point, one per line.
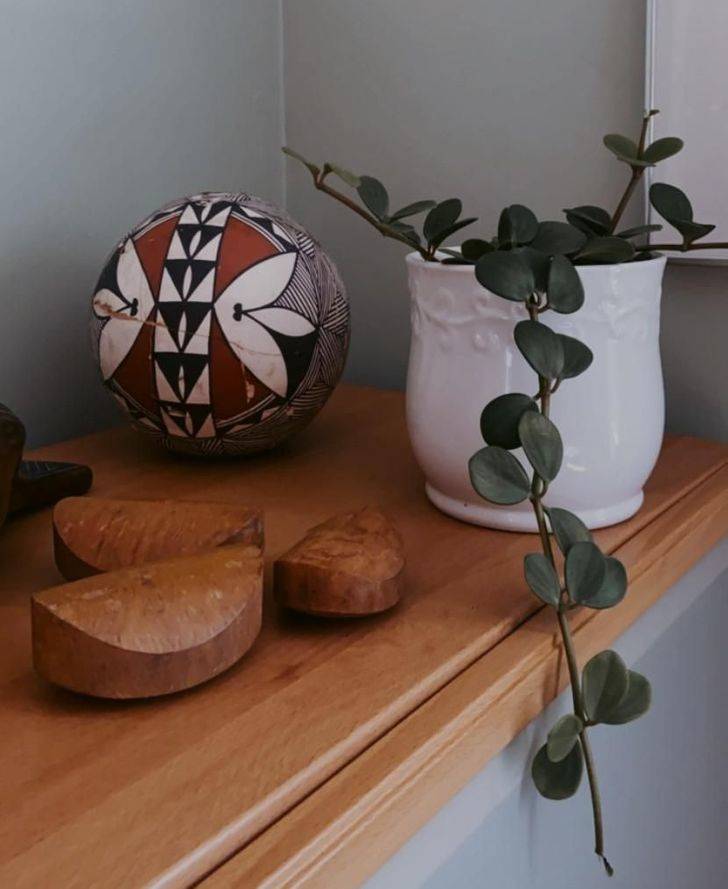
(109, 110)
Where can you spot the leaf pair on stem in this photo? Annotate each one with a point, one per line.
(613, 695)
(442, 221)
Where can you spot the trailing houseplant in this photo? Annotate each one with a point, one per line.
(607, 692)
(600, 239)
(462, 351)
(539, 267)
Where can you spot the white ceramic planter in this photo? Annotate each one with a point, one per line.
(611, 418)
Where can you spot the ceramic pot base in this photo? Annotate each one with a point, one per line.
(504, 518)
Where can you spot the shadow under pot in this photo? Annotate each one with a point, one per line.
(611, 418)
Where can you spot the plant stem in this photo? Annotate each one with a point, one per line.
(643, 132)
(537, 491)
(541, 521)
(320, 183)
(596, 800)
(629, 191)
(637, 173)
(715, 245)
(579, 710)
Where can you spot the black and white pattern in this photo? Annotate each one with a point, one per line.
(284, 316)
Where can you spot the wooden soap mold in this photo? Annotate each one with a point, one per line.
(350, 565)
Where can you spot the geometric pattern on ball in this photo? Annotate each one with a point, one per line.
(220, 325)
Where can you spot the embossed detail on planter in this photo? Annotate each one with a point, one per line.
(631, 317)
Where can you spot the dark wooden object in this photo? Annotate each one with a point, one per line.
(43, 483)
(12, 439)
(29, 484)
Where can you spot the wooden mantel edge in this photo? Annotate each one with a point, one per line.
(346, 829)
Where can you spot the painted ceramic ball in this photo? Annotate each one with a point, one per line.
(220, 325)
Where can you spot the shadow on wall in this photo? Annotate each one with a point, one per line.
(48, 375)
(109, 111)
(694, 350)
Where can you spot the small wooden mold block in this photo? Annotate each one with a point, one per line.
(96, 534)
(351, 565)
(153, 629)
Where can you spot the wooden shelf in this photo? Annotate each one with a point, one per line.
(315, 757)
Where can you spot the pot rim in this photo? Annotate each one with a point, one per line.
(416, 260)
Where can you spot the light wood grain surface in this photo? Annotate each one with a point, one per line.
(162, 792)
(343, 832)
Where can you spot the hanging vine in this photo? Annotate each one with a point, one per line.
(534, 263)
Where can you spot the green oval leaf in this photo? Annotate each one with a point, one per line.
(397, 225)
(589, 219)
(441, 217)
(634, 704)
(498, 476)
(455, 260)
(639, 230)
(585, 571)
(345, 175)
(613, 588)
(506, 274)
(446, 233)
(542, 579)
(517, 225)
(541, 443)
(622, 146)
(558, 237)
(557, 780)
(565, 290)
(539, 263)
(674, 206)
(499, 420)
(606, 250)
(413, 209)
(605, 682)
(474, 248)
(577, 357)
(541, 348)
(403, 230)
(661, 149)
(374, 196)
(692, 231)
(506, 236)
(563, 736)
(670, 202)
(567, 528)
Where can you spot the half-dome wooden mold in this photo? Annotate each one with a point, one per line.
(97, 534)
(351, 565)
(153, 629)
